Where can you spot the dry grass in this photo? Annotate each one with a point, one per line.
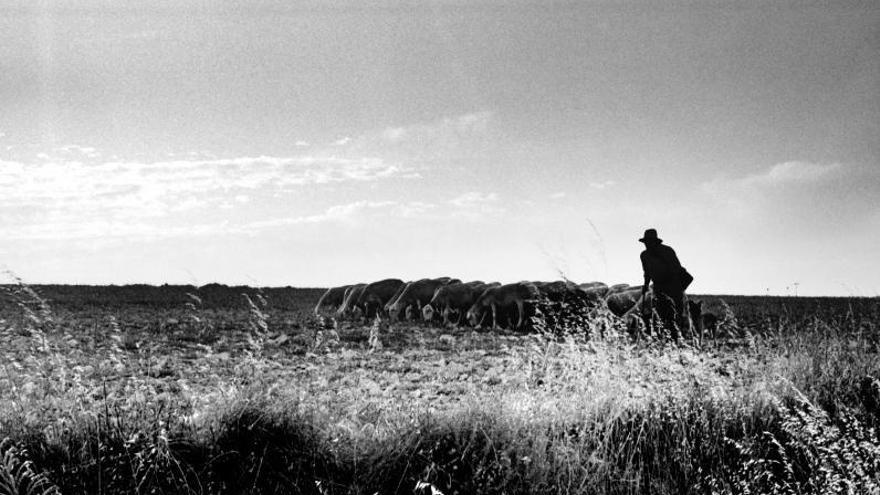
(268, 406)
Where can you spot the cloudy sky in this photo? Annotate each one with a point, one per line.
(317, 143)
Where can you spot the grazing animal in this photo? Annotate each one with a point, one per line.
(349, 303)
(623, 300)
(416, 294)
(620, 288)
(555, 291)
(498, 300)
(377, 294)
(332, 299)
(562, 303)
(569, 292)
(395, 297)
(706, 317)
(597, 288)
(638, 312)
(454, 298)
(629, 304)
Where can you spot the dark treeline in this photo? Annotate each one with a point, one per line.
(212, 296)
(762, 312)
(749, 310)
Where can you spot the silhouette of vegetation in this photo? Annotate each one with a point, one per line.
(202, 390)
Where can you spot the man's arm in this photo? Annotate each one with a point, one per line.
(645, 271)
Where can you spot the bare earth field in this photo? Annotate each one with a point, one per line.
(177, 389)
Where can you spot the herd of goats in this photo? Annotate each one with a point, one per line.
(481, 304)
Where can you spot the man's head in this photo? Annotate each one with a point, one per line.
(650, 238)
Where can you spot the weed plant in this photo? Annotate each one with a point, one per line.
(577, 407)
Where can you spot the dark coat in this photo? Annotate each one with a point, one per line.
(661, 266)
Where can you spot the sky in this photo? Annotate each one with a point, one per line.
(319, 143)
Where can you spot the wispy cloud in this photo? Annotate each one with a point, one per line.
(337, 213)
(74, 183)
(103, 231)
(112, 229)
(472, 199)
(788, 188)
(468, 206)
(788, 172)
(476, 205)
(75, 149)
(414, 209)
(602, 185)
(353, 213)
(56, 198)
(459, 126)
(77, 192)
(418, 139)
(115, 229)
(794, 172)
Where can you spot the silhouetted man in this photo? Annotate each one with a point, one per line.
(661, 266)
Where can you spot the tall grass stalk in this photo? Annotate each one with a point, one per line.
(795, 411)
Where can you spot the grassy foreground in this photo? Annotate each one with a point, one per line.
(196, 405)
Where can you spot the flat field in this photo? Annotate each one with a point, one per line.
(178, 389)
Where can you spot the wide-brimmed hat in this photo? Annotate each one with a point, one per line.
(650, 236)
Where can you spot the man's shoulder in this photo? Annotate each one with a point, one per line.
(669, 256)
(667, 249)
(661, 250)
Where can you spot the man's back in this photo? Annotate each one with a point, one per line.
(661, 265)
